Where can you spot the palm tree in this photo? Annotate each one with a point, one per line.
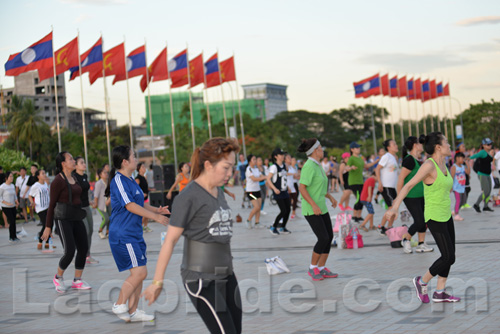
(14, 108)
(25, 122)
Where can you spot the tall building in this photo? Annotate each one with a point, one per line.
(42, 93)
(274, 97)
(93, 118)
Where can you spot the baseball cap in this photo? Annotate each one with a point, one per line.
(354, 145)
(278, 151)
(487, 141)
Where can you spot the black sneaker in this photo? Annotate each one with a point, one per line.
(382, 230)
(487, 208)
(477, 208)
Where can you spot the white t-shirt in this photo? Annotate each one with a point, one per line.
(389, 171)
(251, 184)
(40, 192)
(497, 159)
(22, 184)
(291, 179)
(326, 167)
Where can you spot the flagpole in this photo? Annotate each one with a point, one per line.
(239, 109)
(374, 136)
(382, 105)
(171, 108)
(401, 123)
(206, 98)
(392, 113)
(106, 102)
(55, 92)
(233, 111)
(84, 125)
(430, 106)
(437, 109)
(408, 105)
(149, 105)
(128, 98)
(423, 106)
(190, 98)
(222, 94)
(445, 118)
(452, 126)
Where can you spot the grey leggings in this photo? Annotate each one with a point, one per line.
(485, 188)
(89, 225)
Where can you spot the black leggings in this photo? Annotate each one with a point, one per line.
(416, 208)
(284, 205)
(322, 228)
(444, 235)
(356, 191)
(218, 303)
(293, 200)
(11, 218)
(43, 218)
(73, 236)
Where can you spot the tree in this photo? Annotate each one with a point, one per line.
(481, 120)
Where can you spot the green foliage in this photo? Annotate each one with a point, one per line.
(12, 160)
(481, 120)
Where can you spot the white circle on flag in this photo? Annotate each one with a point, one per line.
(85, 62)
(129, 63)
(205, 69)
(366, 86)
(172, 64)
(28, 56)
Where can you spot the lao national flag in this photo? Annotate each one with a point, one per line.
(402, 87)
(393, 86)
(433, 89)
(91, 60)
(66, 57)
(227, 70)
(37, 56)
(418, 89)
(157, 71)
(113, 62)
(367, 87)
(212, 76)
(426, 93)
(439, 89)
(410, 89)
(135, 63)
(446, 90)
(178, 69)
(196, 71)
(384, 82)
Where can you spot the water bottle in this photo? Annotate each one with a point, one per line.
(51, 244)
(355, 240)
(163, 235)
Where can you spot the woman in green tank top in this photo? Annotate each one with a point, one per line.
(414, 201)
(437, 183)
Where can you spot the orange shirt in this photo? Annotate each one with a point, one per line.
(183, 183)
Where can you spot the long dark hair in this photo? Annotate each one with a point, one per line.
(431, 140)
(408, 146)
(60, 158)
(119, 154)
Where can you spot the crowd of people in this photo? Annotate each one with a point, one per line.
(201, 214)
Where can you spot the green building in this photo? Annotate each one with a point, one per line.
(160, 111)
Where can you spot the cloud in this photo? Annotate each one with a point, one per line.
(95, 2)
(82, 17)
(474, 21)
(482, 86)
(414, 63)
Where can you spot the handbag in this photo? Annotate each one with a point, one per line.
(68, 211)
(349, 239)
(395, 235)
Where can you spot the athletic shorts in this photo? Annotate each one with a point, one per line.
(129, 255)
(389, 195)
(24, 203)
(252, 195)
(369, 207)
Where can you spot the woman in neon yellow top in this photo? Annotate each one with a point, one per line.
(313, 186)
(437, 212)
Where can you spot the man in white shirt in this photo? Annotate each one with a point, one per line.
(387, 172)
(22, 191)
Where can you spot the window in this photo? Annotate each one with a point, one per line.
(36, 81)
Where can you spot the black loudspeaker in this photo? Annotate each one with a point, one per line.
(157, 198)
(168, 176)
(158, 178)
(169, 202)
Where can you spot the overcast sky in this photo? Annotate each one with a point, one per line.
(316, 48)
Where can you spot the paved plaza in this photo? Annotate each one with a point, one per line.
(373, 293)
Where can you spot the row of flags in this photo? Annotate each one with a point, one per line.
(181, 71)
(411, 89)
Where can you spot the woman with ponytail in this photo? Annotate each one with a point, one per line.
(200, 213)
(414, 201)
(125, 232)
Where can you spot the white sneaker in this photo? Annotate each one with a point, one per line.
(59, 284)
(248, 224)
(140, 315)
(262, 212)
(423, 248)
(407, 246)
(121, 311)
(102, 235)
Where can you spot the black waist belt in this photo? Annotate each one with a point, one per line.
(210, 258)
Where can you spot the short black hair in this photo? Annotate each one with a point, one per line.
(22, 168)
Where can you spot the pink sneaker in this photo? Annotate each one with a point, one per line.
(349, 208)
(341, 207)
(80, 285)
(59, 284)
(292, 216)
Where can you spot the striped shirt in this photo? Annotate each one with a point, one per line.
(40, 192)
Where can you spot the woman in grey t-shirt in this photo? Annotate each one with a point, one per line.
(200, 213)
